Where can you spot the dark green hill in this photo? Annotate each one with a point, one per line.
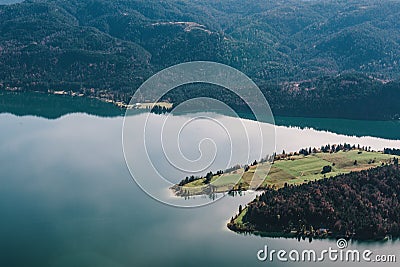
(362, 205)
(98, 46)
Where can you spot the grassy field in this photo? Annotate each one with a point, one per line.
(291, 170)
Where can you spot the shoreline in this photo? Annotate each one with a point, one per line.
(108, 97)
(306, 237)
(118, 103)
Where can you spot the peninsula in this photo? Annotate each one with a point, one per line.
(333, 191)
(294, 168)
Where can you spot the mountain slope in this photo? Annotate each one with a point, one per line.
(107, 47)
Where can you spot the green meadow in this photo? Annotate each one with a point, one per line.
(292, 169)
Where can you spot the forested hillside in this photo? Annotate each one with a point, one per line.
(301, 53)
(363, 205)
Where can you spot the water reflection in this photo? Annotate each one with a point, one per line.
(67, 199)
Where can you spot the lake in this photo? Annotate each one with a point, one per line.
(67, 197)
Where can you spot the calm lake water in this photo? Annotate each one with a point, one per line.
(68, 199)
